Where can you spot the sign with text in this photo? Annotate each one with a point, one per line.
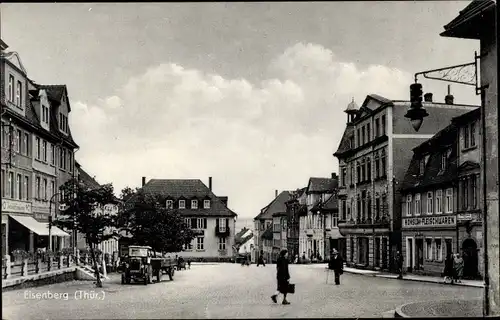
(422, 222)
(16, 206)
(464, 216)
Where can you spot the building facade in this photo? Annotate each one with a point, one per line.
(37, 157)
(207, 214)
(295, 207)
(374, 154)
(311, 224)
(279, 234)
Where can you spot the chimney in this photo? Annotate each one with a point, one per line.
(449, 98)
(143, 181)
(210, 183)
(428, 97)
(275, 193)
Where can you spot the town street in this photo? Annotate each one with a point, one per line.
(231, 291)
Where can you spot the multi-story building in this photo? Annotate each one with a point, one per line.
(312, 233)
(478, 21)
(279, 234)
(295, 207)
(264, 225)
(329, 209)
(373, 155)
(207, 214)
(37, 156)
(441, 193)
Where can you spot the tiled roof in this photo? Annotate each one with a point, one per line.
(56, 92)
(467, 117)
(345, 142)
(325, 185)
(474, 9)
(276, 206)
(188, 189)
(238, 236)
(84, 177)
(379, 98)
(433, 148)
(331, 204)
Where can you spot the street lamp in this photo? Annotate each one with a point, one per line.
(416, 113)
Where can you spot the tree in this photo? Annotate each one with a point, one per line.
(84, 212)
(127, 193)
(151, 224)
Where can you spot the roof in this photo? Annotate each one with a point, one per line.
(352, 107)
(331, 204)
(468, 117)
(431, 153)
(323, 185)
(243, 236)
(276, 206)
(476, 17)
(268, 234)
(3, 45)
(188, 189)
(345, 142)
(56, 92)
(84, 177)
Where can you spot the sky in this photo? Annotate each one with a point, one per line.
(251, 94)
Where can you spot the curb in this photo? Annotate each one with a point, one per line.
(398, 313)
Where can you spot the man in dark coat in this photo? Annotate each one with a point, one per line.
(260, 260)
(399, 264)
(283, 277)
(337, 265)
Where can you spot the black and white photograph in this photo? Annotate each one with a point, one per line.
(249, 160)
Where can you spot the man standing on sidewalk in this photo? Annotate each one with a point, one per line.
(337, 265)
(399, 264)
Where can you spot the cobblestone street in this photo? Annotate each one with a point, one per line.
(231, 291)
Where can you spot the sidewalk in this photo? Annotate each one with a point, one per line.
(407, 277)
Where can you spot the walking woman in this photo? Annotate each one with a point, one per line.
(458, 266)
(283, 277)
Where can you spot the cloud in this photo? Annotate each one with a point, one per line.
(252, 138)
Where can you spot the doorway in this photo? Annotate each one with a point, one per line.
(377, 252)
(419, 244)
(384, 253)
(470, 256)
(409, 254)
(449, 247)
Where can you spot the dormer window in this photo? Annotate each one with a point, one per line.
(421, 167)
(206, 204)
(182, 204)
(170, 204)
(19, 98)
(45, 114)
(443, 161)
(11, 88)
(194, 204)
(63, 122)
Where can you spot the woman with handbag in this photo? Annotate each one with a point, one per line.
(283, 277)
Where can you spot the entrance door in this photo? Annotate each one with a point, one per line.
(377, 252)
(419, 243)
(469, 249)
(409, 254)
(384, 253)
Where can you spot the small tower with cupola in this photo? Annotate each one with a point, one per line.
(351, 110)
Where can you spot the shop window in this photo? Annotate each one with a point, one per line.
(428, 249)
(439, 250)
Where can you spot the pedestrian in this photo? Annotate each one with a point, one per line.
(448, 269)
(282, 277)
(458, 266)
(261, 261)
(399, 264)
(336, 264)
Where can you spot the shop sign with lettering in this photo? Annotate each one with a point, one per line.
(436, 221)
(464, 216)
(16, 206)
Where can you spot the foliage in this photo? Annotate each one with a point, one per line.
(151, 224)
(20, 254)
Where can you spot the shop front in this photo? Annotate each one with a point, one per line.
(427, 240)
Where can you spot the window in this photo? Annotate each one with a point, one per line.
(439, 201)
(383, 165)
(466, 137)
(465, 193)
(26, 188)
(334, 221)
(37, 188)
(206, 204)
(344, 177)
(44, 150)
(428, 249)
(3, 183)
(418, 204)
(25, 145)
(52, 188)
(194, 204)
(201, 223)
(408, 205)
(59, 150)
(37, 148)
(358, 171)
(344, 209)
(170, 204)
(11, 88)
(473, 182)
(473, 134)
(12, 189)
(222, 243)
(70, 161)
(430, 203)
(377, 127)
(363, 135)
(19, 94)
(377, 165)
(52, 151)
(44, 189)
(359, 137)
(64, 159)
(449, 200)
(368, 169)
(443, 161)
(439, 250)
(352, 174)
(45, 114)
(182, 204)
(368, 132)
(17, 145)
(363, 170)
(19, 187)
(383, 125)
(222, 225)
(200, 243)
(421, 169)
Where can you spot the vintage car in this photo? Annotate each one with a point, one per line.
(141, 264)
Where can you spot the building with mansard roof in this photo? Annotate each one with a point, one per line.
(373, 154)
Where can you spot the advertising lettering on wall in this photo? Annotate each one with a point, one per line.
(16, 206)
(429, 221)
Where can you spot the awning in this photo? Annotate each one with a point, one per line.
(40, 228)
